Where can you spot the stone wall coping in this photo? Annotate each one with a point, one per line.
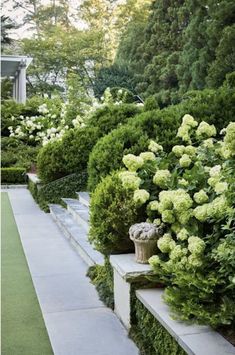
(194, 339)
(34, 178)
(13, 186)
(128, 268)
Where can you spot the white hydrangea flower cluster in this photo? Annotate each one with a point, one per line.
(229, 139)
(183, 183)
(78, 122)
(187, 198)
(133, 162)
(130, 180)
(200, 197)
(162, 178)
(41, 128)
(213, 210)
(188, 122)
(185, 161)
(141, 196)
(172, 205)
(196, 245)
(205, 130)
(208, 143)
(182, 234)
(147, 156)
(155, 147)
(166, 243)
(215, 180)
(180, 150)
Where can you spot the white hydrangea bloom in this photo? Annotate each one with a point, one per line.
(141, 196)
(132, 162)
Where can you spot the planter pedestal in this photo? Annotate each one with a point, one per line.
(144, 249)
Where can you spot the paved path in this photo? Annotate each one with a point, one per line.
(77, 322)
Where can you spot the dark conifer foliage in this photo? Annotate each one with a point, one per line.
(184, 45)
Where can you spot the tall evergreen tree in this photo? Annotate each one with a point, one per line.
(221, 39)
(157, 57)
(195, 55)
(208, 52)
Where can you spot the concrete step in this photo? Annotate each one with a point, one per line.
(79, 212)
(77, 235)
(84, 198)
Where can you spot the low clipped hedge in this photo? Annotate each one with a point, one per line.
(54, 191)
(150, 336)
(71, 154)
(102, 277)
(213, 106)
(13, 175)
(112, 212)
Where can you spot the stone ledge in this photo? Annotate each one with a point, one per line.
(84, 198)
(34, 178)
(128, 268)
(194, 339)
(12, 186)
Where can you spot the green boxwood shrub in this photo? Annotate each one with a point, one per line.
(214, 107)
(111, 116)
(107, 154)
(50, 162)
(16, 154)
(71, 154)
(55, 190)
(13, 175)
(112, 212)
(150, 336)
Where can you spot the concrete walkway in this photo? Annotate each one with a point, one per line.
(77, 322)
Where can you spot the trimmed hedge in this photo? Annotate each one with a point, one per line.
(112, 212)
(71, 154)
(107, 154)
(54, 191)
(16, 154)
(61, 158)
(214, 107)
(13, 175)
(150, 336)
(111, 116)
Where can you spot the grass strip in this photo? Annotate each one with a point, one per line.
(23, 329)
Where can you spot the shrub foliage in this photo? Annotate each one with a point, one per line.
(214, 107)
(189, 193)
(13, 175)
(112, 212)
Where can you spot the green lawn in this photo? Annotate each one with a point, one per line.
(23, 328)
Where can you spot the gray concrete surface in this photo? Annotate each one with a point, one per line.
(77, 321)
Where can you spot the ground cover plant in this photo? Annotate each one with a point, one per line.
(189, 192)
(150, 336)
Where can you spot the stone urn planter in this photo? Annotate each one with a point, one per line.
(145, 236)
